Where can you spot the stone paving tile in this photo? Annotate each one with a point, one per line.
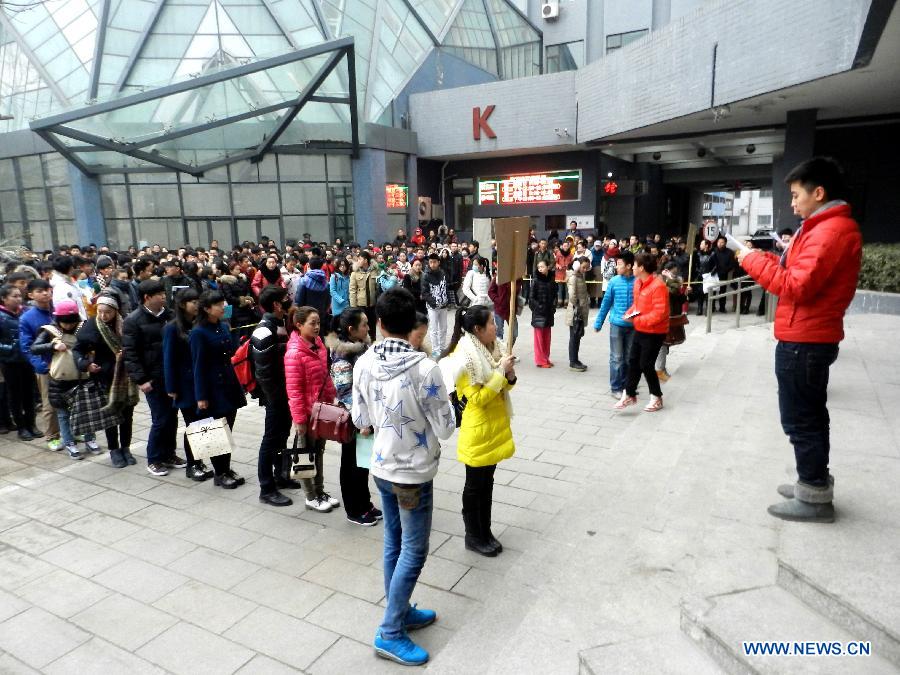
(263, 665)
(442, 573)
(62, 593)
(71, 489)
(154, 547)
(83, 557)
(37, 637)
(10, 605)
(34, 537)
(282, 637)
(140, 580)
(101, 528)
(163, 518)
(9, 665)
(206, 606)
(115, 503)
(476, 584)
(348, 656)
(189, 650)
(280, 556)
(219, 536)
(212, 567)
(348, 616)
(17, 568)
(56, 512)
(342, 575)
(9, 519)
(284, 593)
(98, 657)
(123, 621)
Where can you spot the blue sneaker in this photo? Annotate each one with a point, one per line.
(418, 618)
(402, 650)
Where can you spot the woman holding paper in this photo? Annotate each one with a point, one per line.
(650, 315)
(216, 387)
(345, 346)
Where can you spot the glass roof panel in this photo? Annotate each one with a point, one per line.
(512, 29)
(435, 13)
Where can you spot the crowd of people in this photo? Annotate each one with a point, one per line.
(83, 332)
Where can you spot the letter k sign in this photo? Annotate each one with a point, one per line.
(479, 122)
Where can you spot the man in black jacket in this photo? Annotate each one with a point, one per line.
(142, 343)
(454, 272)
(267, 346)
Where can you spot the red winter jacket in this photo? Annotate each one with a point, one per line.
(651, 299)
(305, 370)
(819, 279)
(260, 282)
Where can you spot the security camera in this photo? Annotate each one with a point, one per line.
(656, 156)
(701, 152)
(751, 149)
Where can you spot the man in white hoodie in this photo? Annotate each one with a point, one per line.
(400, 394)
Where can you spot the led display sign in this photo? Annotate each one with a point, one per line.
(534, 188)
(396, 196)
(610, 187)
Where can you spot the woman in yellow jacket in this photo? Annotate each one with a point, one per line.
(482, 375)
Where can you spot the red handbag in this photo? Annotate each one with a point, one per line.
(330, 422)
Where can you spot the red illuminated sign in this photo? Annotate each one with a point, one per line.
(610, 187)
(396, 196)
(537, 188)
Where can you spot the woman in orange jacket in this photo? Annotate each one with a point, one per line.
(650, 315)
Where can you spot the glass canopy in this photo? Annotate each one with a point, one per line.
(219, 117)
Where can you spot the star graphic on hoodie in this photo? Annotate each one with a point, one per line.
(378, 395)
(450, 417)
(432, 390)
(421, 439)
(395, 419)
(394, 367)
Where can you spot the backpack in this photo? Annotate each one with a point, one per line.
(62, 364)
(243, 367)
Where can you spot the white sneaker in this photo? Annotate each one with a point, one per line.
(318, 504)
(73, 451)
(94, 447)
(331, 500)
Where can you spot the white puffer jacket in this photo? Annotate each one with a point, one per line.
(475, 287)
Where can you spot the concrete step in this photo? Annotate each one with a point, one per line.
(721, 625)
(859, 607)
(668, 654)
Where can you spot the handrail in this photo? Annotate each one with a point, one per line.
(714, 294)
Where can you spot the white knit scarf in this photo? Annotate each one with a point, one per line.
(480, 362)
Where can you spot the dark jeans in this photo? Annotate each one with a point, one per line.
(802, 372)
(120, 436)
(20, 386)
(642, 360)
(221, 463)
(354, 482)
(163, 425)
(270, 465)
(576, 332)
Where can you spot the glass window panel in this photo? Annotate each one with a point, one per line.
(197, 231)
(7, 177)
(205, 200)
(166, 232)
(255, 199)
(271, 228)
(154, 177)
(112, 178)
(115, 201)
(302, 167)
(395, 167)
(340, 198)
(296, 226)
(67, 233)
(340, 167)
(268, 168)
(9, 206)
(36, 204)
(245, 172)
(151, 201)
(40, 235)
(57, 168)
(304, 198)
(221, 231)
(32, 173)
(246, 230)
(61, 198)
(118, 232)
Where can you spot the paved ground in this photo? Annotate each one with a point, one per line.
(608, 522)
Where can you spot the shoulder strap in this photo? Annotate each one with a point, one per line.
(53, 330)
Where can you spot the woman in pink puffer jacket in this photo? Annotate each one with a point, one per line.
(308, 381)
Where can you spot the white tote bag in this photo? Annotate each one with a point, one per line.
(210, 437)
(710, 281)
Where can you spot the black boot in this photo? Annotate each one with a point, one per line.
(117, 459)
(475, 540)
(128, 457)
(484, 515)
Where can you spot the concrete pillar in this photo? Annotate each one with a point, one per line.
(412, 179)
(799, 145)
(370, 210)
(88, 208)
(661, 14)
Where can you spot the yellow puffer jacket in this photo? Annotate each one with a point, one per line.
(485, 436)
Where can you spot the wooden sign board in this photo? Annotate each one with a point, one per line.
(511, 235)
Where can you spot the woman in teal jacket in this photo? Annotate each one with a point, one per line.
(339, 287)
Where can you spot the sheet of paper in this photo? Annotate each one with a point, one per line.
(735, 244)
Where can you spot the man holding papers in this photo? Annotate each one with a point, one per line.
(815, 281)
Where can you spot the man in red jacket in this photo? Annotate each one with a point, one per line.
(815, 280)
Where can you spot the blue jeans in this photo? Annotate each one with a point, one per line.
(407, 528)
(802, 373)
(500, 323)
(620, 339)
(65, 430)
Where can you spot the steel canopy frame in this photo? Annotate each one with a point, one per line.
(56, 125)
